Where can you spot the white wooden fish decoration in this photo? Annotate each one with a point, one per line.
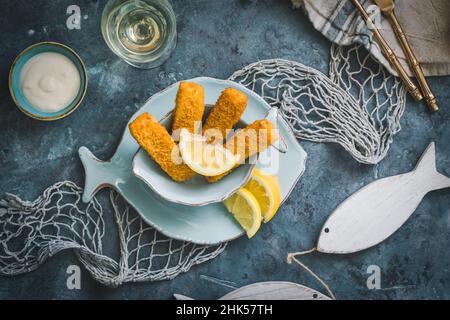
(379, 209)
(270, 290)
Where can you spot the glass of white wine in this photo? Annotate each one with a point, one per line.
(141, 32)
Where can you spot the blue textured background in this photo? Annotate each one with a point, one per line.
(215, 39)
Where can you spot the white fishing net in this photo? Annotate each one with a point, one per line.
(359, 107)
(31, 232)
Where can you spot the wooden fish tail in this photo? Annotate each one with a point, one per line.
(426, 170)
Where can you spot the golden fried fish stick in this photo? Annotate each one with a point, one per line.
(190, 105)
(226, 113)
(249, 141)
(155, 139)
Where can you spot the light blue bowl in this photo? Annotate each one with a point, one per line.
(16, 89)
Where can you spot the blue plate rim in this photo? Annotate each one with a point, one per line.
(258, 97)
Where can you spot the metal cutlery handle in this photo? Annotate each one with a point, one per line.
(413, 62)
(389, 54)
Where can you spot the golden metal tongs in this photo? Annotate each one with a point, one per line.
(387, 7)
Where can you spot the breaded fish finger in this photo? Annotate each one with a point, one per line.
(155, 139)
(226, 113)
(190, 105)
(249, 141)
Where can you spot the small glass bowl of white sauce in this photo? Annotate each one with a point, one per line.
(48, 81)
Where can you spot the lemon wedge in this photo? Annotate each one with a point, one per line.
(266, 189)
(245, 209)
(204, 158)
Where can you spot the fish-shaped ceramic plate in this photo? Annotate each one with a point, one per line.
(379, 209)
(270, 290)
(210, 224)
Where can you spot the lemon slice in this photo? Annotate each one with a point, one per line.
(246, 210)
(266, 189)
(203, 158)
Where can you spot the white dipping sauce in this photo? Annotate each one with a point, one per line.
(50, 81)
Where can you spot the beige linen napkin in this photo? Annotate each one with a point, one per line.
(426, 23)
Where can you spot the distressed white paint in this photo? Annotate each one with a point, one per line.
(376, 211)
(274, 290)
(270, 290)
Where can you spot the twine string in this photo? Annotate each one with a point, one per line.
(292, 257)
